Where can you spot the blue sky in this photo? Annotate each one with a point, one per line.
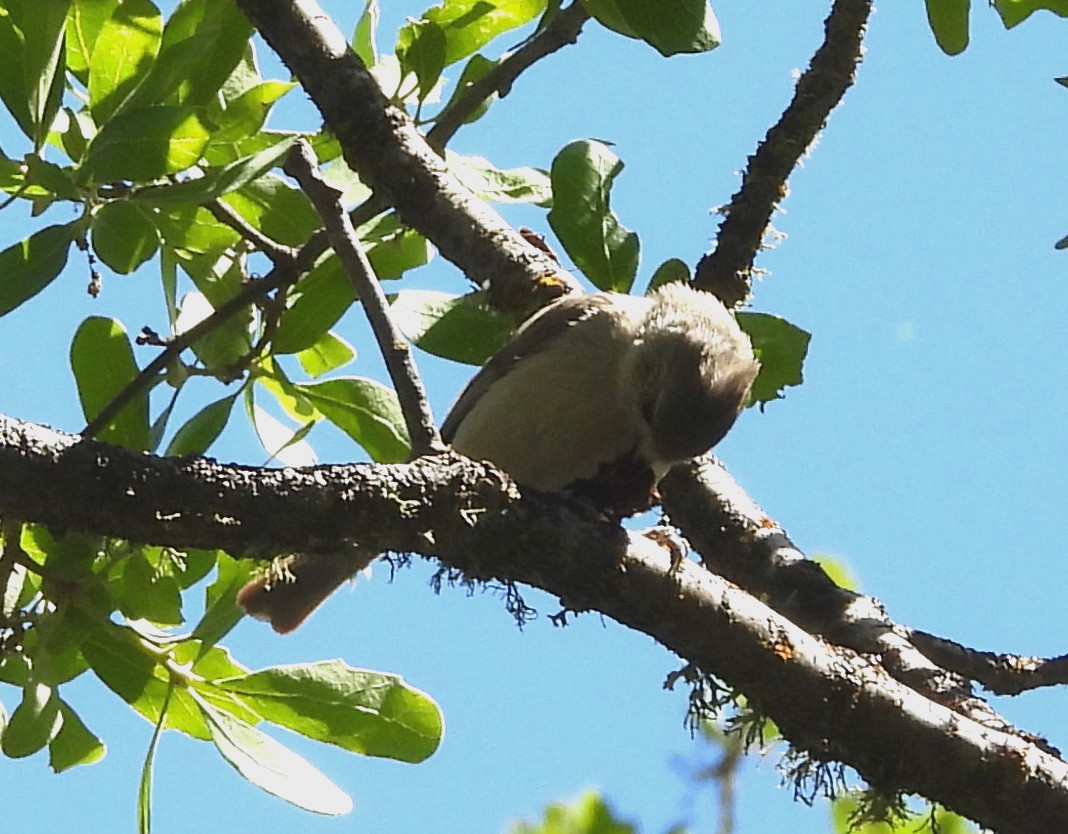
(926, 448)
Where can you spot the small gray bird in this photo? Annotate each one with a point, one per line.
(596, 395)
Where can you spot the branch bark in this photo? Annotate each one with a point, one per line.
(382, 145)
(727, 270)
(301, 165)
(828, 700)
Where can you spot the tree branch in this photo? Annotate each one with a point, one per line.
(276, 252)
(826, 699)
(395, 351)
(381, 144)
(738, 541)
(727, 271)
(562, 30)
(281, 276)
(1002, 674)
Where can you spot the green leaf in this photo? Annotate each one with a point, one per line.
(123, 236)
(292, 401)
(218, 181)
(453, 327)
(144, 785)
(69, 556)
(15, 669)
(13, 89)
(221, 611)
(57, 656)
(145, 144)
(13, 592)
(329, 353)
(149, 593)
(781, 348)
(668, 272)
(517, 185)
(74, 744)
(246, 114)
(468, 25)
(476, 68)
(670, 26)
(32, 264)
(225, 344)
(1014, 12)
(122, 56)
(211, 663)
(202, 43)
(271, 766)
(13, 174)
(34, 723)
(72, 129)
(54, 181)
(609, 15)
(363, 39)
(371, 713)
(949, 23)
(122, 662)
(31, 63)
(42, 65)
(192, 231)
(421, 52)
(605, 250)
(398, 252)
(103, 363)
(589, 814)
(84, 22)
(277, 209)
(175, 375)
(189, 566)
(282, 442)
(366, 411)
(201, 430)
(322, 298)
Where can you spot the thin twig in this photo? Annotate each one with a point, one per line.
(301, 165)
(727, 270)
(1002, 674)
(275, 252)
(277, 278)
(562, 30)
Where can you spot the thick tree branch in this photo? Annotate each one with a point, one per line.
(382, 145)
(826, 699)
(727, 270)
(738, 541)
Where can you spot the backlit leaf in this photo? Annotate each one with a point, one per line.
(366, 411)
(103, 363)
(272, 766)
(367, 712)
(145, 144)
(605, 250)
(781, 348)
(32, 264)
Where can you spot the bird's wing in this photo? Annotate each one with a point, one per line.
(533, 336)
